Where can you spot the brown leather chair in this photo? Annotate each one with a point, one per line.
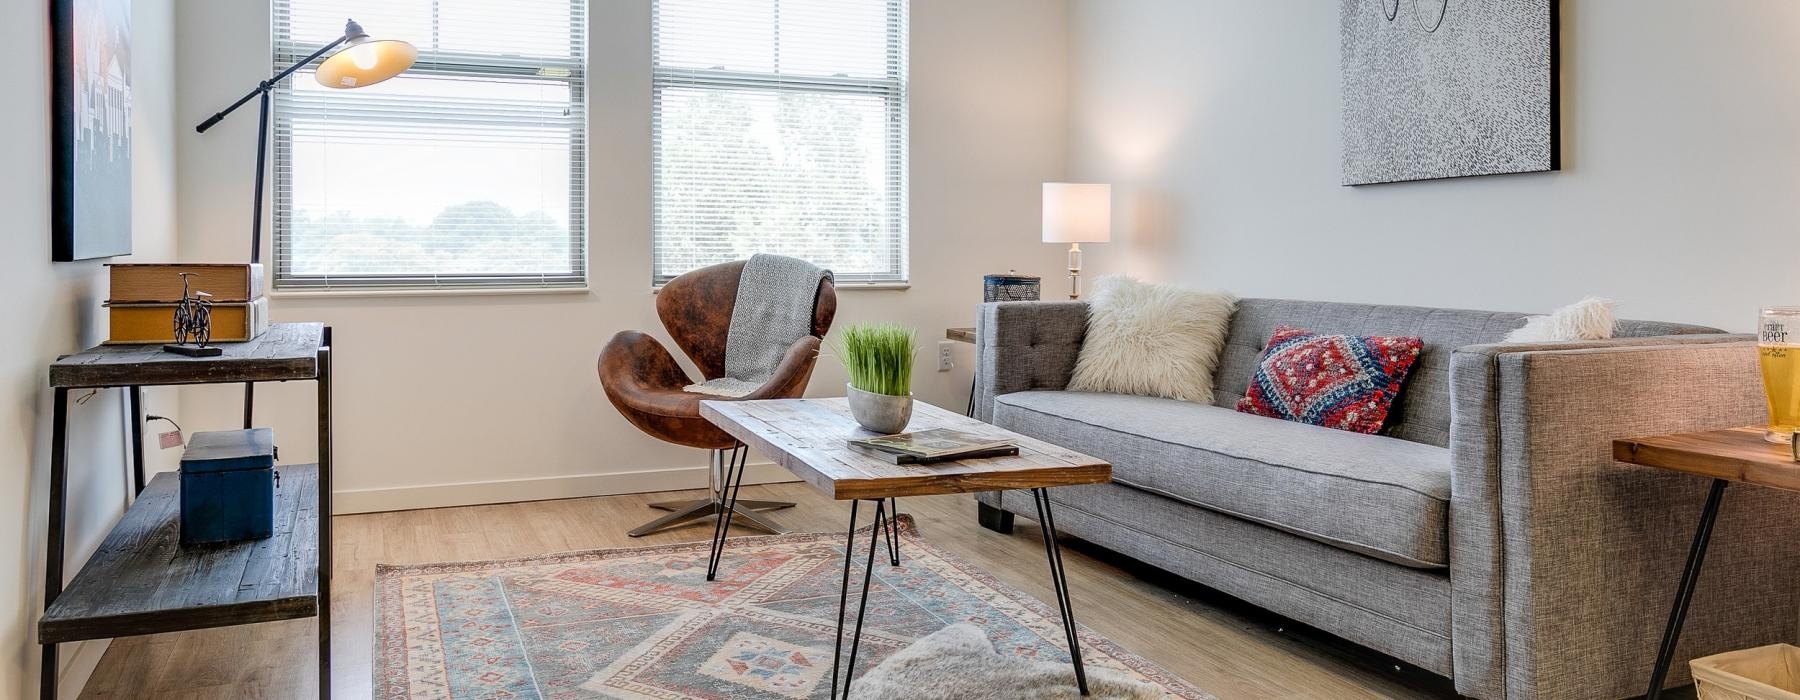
(645, 383)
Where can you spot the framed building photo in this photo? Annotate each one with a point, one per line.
(91, 129)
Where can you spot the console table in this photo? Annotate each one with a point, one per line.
(967, 335)
(1735, 455)
(141, 580)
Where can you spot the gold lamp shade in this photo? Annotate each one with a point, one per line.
(364, 61)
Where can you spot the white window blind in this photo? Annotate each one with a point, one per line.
(466, 171)
(779, 126)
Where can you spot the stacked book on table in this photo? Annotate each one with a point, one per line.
(141, 306)
(935, 445)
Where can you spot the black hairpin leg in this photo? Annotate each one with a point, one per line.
(1060, 581)
(875, 535)
(734, 465)
(893, 531)
(1684, 594)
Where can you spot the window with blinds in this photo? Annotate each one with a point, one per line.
(466, 171)
(779, 126)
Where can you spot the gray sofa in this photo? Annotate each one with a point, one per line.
(1487, 535)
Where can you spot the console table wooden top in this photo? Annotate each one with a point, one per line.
(1735, 454)
(285, 352)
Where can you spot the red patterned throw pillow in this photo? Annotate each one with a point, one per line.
(1345, 382)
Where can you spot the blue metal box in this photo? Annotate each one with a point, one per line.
(228, 486)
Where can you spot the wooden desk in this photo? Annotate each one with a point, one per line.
(1725, 456)
(140, 580)
(807, 436)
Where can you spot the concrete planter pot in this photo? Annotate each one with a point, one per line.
(879, 412)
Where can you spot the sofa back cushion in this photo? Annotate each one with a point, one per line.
(1422, 413)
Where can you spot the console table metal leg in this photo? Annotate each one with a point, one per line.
(135, 394)
(733, 481)
(1059, 579)
(53, 551)
(325, 558)
(837, 651)
(1684, 594)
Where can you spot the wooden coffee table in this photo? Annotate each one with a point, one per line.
(807, 436)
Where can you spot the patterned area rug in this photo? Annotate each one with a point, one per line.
(645, 623)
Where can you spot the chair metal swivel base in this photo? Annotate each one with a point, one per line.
(745, 512)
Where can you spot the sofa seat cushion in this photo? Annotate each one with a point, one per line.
(1380, 496)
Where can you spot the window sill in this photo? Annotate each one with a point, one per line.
(423, 292)
(848, 287)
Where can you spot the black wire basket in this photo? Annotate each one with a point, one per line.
(1010, 288)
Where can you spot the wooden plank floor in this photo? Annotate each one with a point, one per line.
(1221, 645)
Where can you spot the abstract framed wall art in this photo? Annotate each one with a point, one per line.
(1447, 88)
(91, 129)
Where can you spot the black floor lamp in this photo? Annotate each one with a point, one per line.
(363, 62)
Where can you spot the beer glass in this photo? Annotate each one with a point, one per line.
(1778, 346)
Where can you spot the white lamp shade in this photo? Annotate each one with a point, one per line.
(1077, 212)
(365, 62)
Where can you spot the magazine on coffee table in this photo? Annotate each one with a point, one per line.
(903, 458)
(935, 444)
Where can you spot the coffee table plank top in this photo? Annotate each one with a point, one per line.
(1735, 454)
(807, 437)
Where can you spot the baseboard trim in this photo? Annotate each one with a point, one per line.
(78, 663)
(539, 489)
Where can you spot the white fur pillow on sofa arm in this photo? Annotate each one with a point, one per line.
(1152, 340)
(1588, 319)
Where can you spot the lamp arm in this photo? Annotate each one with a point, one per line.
(266, 85)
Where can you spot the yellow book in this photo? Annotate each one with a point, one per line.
(155, 323)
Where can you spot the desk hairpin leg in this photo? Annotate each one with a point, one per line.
(249, 405)
(1684, 593)
(876, 534)
(1059, 579)
(893, 531)
(53, 551)
(733, 481)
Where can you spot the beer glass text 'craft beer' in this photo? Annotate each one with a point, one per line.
(1778, 345)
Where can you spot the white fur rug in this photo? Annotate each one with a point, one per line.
(959, 662)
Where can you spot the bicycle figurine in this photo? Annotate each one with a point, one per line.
(193, 323)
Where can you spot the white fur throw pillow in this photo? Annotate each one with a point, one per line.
(1152, 340)
(1588, 319)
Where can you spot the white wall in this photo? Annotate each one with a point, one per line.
(1681, 157)
(53, 309)
(459, 399)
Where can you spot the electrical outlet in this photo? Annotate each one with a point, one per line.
(944, 359)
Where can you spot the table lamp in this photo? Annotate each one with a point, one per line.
(365, 61)
(1077, 213)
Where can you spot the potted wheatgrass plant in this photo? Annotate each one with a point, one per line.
(879, 359)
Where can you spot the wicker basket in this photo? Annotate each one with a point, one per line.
(1763, 673)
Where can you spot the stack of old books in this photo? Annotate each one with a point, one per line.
(935, 445)
(145, 295)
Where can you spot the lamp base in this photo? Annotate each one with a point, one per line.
(1074, 271)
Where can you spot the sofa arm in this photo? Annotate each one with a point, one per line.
(1564, 562)
(1025, 345)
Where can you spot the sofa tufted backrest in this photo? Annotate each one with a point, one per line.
(1423, 411)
